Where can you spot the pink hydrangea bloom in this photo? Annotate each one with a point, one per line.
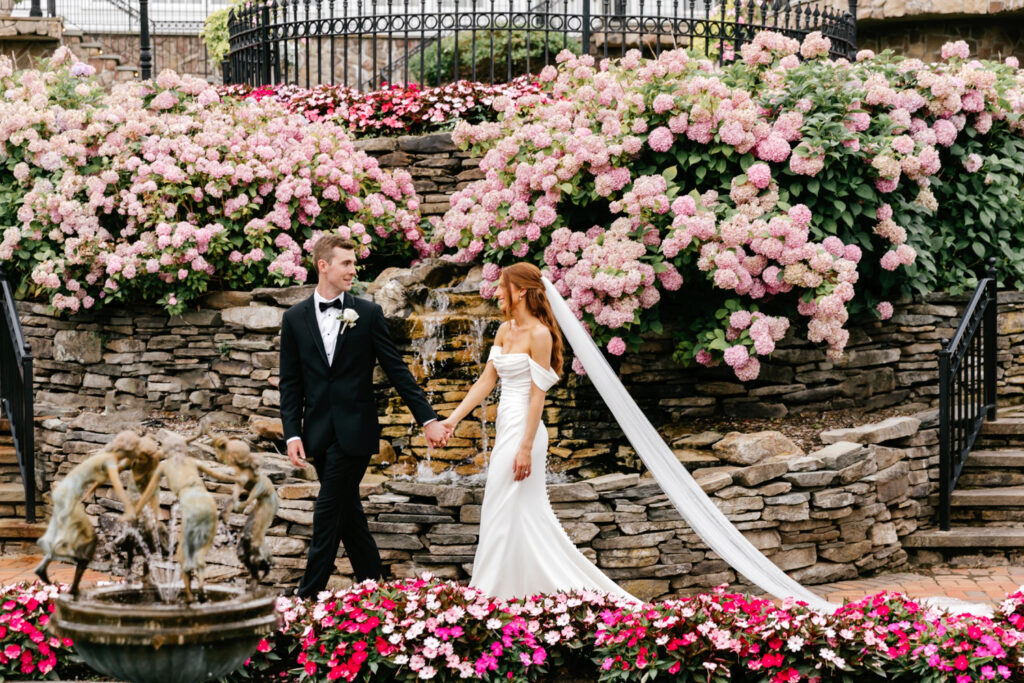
(616, 346)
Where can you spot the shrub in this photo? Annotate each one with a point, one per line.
(159, 191)
(783, 187)
(489, 56)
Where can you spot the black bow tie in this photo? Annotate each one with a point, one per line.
(336, 303)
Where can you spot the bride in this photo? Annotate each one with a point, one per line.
(523, 549)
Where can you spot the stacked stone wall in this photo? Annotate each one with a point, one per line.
(223, 357)
(833, 514)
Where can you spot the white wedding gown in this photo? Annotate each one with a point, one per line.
(523, 549)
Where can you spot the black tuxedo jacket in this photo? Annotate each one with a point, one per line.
(323, 404)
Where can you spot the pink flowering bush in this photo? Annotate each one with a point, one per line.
(785, 187)
(158, 191)
(394, 109)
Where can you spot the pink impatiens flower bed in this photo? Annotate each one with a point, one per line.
(427, 629)
(394, 108)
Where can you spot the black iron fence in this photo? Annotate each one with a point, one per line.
(967, 387)
(16, 394)
(364, 43)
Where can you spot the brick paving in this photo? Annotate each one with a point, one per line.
(19, 568)
(988, 584)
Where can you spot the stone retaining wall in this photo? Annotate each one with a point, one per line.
(223, 356)
(833, 514)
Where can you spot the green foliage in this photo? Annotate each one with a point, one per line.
(496, 55)
(215, 32)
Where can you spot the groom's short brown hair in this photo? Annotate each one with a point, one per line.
(326, 245)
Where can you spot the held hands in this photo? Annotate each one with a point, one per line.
(437, 433)
(522, 464)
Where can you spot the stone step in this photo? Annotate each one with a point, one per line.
(996, 458)
(8, 456)
(987, 516)
(980, 478)
(967, 537)
(1002, 496)
(19, 528)
(1004, 427)
(12, 493)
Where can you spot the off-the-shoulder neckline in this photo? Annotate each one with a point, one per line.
(528, 357)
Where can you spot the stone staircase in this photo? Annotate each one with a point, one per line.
(987, 511)
(16, 535)
(110, 67)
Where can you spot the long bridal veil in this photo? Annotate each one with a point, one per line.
(686, 495)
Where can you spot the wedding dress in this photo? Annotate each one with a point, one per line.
(703, 516)
(523, 549)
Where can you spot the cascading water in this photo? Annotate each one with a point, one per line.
(478, 328)
(166, 571)
(426, 347)
(432, 339)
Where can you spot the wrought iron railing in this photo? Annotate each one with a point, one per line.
(967, 387)
(361, 43)
(16, 394)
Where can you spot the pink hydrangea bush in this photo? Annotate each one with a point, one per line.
(786, 182)
(158, 191)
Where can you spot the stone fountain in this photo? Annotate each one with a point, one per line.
(143, 632)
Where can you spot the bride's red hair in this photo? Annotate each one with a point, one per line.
(527, 276)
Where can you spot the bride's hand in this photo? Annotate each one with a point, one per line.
(521, 465)
(449, 424)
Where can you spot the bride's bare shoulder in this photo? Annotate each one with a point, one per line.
(540, 345)
(502, 331)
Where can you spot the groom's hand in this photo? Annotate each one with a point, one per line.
(296, 453)
(436, 433)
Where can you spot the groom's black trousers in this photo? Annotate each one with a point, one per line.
(338, 518)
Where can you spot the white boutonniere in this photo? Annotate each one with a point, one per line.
(348, 317)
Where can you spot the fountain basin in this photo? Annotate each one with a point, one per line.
(127, 633)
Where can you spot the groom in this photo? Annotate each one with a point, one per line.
(329, 345)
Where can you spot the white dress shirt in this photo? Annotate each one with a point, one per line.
(329, 322)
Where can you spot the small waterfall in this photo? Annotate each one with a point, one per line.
(429, 343)
(478, 329)
(433, 337)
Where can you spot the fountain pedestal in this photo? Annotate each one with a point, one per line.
(126, 632)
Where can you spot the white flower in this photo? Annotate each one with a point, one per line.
(348, 316)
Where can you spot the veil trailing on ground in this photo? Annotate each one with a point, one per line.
(689, 499)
